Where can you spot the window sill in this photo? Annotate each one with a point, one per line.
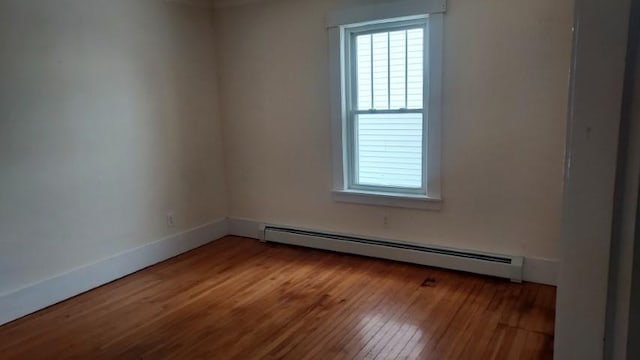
(388, 199)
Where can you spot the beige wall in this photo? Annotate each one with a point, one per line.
(108, 118)
(506, 69)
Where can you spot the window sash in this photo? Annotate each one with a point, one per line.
(419, 22)
(352, 112)
(354, 167)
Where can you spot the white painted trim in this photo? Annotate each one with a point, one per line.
(433, 91)
(387, 199)
(339, 94)
(537, 270)
(31, 298)
(386, 10)
(622, 322)
(17, 303)
(595, 104)
(338, 105)
(245, 228)
(540, 270)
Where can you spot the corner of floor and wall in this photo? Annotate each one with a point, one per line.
(134, 131)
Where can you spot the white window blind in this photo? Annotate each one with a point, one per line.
(388, 146)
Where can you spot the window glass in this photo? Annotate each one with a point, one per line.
(390, 70)
(387, 141)
(389, 150)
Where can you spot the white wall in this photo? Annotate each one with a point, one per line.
(506, 67)
(108, 118)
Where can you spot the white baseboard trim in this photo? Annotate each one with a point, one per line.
(541, 271)
(537, 270)
(245, 228)
(21, 302)
(18, 303)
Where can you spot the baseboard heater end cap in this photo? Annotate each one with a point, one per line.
(517, 265)
(262, 236)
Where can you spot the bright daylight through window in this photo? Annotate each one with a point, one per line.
(387, 109)
(386, 76)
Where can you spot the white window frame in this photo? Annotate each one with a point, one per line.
(342, 26)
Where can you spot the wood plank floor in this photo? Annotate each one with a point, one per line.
(239, 299)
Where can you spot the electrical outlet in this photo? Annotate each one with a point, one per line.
(171, 221)
(385, 221)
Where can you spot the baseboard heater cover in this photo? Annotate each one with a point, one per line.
(509, 267)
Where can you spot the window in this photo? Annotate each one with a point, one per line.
(385, 111)
(386, 104)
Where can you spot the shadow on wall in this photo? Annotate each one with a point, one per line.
(108, 119)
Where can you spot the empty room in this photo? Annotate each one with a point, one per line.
(319, 179)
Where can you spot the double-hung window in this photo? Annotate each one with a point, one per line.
(386, 74)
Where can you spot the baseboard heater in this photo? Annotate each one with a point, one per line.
(509, 267)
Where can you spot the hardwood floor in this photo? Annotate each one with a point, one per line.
(239, 299)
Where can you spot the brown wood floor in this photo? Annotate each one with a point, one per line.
(239, 299)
